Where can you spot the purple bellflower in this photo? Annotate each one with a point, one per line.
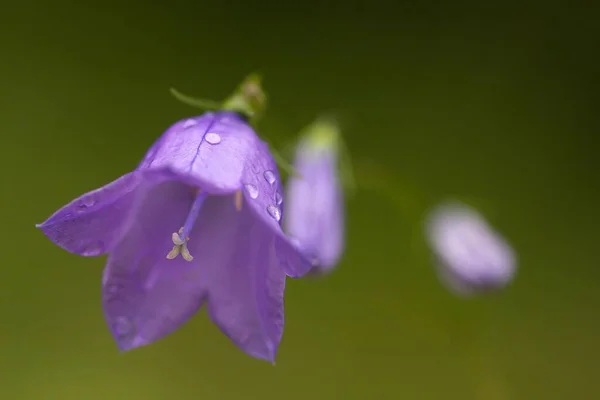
(197, 221)
(315, 197)
(471, 257)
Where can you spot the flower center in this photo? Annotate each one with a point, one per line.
(181, 238)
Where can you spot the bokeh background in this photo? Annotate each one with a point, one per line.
(491, 101)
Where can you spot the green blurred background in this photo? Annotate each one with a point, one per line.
(488, 100)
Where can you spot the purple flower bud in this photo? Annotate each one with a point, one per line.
(315, 200)
(471, 257)
(198, 221)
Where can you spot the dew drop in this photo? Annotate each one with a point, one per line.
(278, 198)
(112, 289)
(111, 293)
(269, 176)
(252, 190)
(85, 203)
(274, 212)
(124, 327)
(94, 249)
(212, 138)
(189, 123)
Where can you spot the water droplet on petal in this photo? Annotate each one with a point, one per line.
(94, 249)
(269, 176)
(112, 289)
(278, 198)
(252, 190)
(189, 123)
(212, 138)
(124, 327)
(85, 203)
(111, 293)
(274, 212)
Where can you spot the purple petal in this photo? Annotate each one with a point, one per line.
(146, 296)
(91, 224)
(263, 192)
(213, 148)
(236, 267)
(242, 273)
(471, 256)
(314, 206)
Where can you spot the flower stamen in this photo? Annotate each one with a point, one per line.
(181, 238)
(237, 200)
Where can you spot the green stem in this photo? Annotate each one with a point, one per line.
(408, 200)
(203, 104)
(346, 168)
(284, 164)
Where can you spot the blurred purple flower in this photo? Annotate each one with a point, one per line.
(315, 199)
(471, 257)
(198, 220)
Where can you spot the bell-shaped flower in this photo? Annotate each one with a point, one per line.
(471, 257)
(197, 221)
(315, 209)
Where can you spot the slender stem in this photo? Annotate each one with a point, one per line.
(347, 169)
(284, 164)
(203, 104)
(409, 201)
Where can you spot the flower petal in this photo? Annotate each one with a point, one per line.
(263, 193)
(242, 273)
(146, 296)
(213, 148)
(91, 224)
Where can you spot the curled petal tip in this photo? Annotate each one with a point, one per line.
(123, 346)
(270, 358)
(267, 354)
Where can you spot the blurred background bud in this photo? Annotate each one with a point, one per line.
(470, 256)
(314, 206)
